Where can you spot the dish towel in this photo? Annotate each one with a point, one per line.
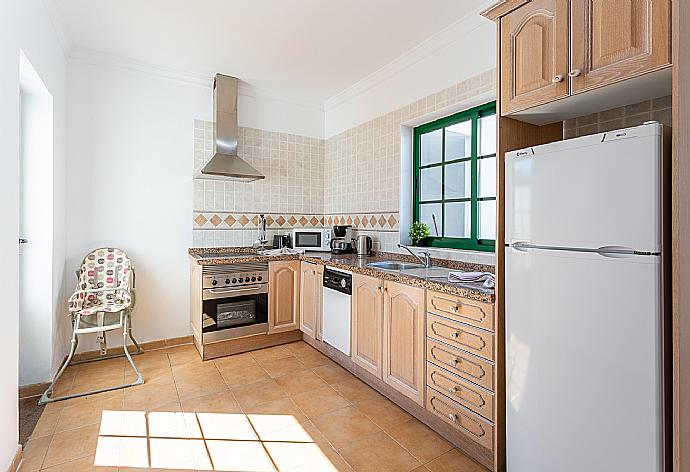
(487, 278)
(282, 251)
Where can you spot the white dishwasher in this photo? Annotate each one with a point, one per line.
(337, 292)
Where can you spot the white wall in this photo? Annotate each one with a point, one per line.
(24, 25)
(465, 49)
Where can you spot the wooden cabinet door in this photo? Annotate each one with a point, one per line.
(403, 339)
(534, 55)
(308, 299)
(613, 40)
(283, 296)
(367, 323)
(318, 283)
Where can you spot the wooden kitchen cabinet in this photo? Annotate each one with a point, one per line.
(283, 296)
(534, 55)
(403, 339)
(311, 309)
(553, 49)
(613, 40)
(367, 323)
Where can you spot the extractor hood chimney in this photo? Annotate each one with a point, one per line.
(225, 163)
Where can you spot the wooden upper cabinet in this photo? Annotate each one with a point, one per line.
(367, 323)
(613, 40)
(283, 296)
(534, 55)
(403, 339)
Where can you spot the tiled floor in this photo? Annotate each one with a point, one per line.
(286, 408)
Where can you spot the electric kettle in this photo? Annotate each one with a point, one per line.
(363, 245)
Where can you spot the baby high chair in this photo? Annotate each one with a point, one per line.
(103, 301)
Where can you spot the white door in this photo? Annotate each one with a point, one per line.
(583, 371)
(589, 192)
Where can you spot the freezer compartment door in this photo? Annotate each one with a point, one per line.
(589, 192)
(583, 362)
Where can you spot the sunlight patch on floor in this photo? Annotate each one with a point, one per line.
(208, 441)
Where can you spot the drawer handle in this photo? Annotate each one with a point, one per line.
(574, 73)
(453, 417)
(454, 362)
(557, 79)
(453, 390)
(454, 335)
(454, 309)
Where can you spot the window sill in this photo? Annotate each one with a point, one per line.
(464, 255)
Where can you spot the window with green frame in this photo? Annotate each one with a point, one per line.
(455, 179)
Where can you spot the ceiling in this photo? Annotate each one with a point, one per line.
(308, 49)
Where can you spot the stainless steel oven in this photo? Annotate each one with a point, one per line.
(234, 301)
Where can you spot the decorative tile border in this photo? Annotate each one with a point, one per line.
(369, 221)
(222, 220)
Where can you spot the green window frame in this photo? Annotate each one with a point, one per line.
(473, 242)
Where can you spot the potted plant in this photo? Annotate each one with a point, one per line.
(418, 232)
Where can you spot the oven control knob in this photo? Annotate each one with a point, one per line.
(234, 281)
(214, 282)
(241, 280)
(253, 279)
(343, 283)
(227, 281)
(259, 278)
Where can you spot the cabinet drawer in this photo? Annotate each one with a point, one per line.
(475, 398)
(473, 426)
(460, 335)
(470, 367)
(467, 311)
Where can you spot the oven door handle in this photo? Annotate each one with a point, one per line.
(212, 293)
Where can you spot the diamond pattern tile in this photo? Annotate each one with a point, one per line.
(303, 221)
(392, 221)
(280, 220)
(382, 221)
(230, 220)
(243, 220)
(292, 220)
(200, 220)
(314, 221)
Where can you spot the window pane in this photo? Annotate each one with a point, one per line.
(459, 140)
(459, 180)
(432, 145)
(425, 216)
(487, 219)
(487, 135)
(458, 217)
(430, 184)
(487, 177)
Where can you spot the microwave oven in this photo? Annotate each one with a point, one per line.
(312, 239)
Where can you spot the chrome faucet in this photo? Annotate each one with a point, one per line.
(427, 256)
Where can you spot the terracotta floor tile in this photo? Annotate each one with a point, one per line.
(332, 373)
(301, 382)
(88, 412)
(270, 353)
(34, 453)
(204, 383)
(383, 412)
(320, 401)
(419, 440)
(313, 359)
(244, 359)
(152, 375)
(283, 366)
(288, 456)
(180, 355)
(335, 463)
(145, 397)
(299, 347)
(152, 359)
(219, 402)
(454, 461)
(86, 464)
(344, 426)
(378, 453)
(71, 445)
(355, 390)
(243, 375)
(261, 392)
(421, 468)
(46, 424)
(239, 455)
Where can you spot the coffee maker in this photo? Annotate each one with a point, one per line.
(342, 240)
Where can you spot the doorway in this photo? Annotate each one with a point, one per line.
(36, 240)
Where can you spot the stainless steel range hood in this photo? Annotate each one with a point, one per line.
(225, 163)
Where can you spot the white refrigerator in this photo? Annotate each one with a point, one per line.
(584, 304)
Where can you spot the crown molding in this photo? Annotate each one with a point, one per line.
(454, 31)
(58, 23)
(200, 79)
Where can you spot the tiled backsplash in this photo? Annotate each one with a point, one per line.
(351, 178)
(658, 109)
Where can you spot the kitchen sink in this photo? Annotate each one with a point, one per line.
(394, 265)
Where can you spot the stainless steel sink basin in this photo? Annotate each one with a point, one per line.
(394, 265)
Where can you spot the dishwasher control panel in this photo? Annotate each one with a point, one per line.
(338, 281)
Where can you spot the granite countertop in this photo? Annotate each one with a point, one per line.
(435, 278)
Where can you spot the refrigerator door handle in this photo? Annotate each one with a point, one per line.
(604, 251)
